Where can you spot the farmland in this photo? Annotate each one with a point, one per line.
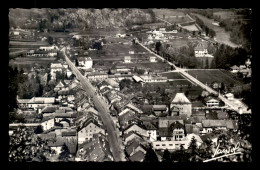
(171, 15)
(224, 14)
(221, 35)
(28, 45)
(210, 76)
(172, 75)
(148, 66)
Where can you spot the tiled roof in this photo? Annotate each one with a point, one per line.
(125, 136)
(230, 124)
(181, 98)
(167, 121)
(137, 157)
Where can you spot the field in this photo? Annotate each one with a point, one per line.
(224, 14)
(221, 35)
(30, 61)
(28, 45)
(149, 66)
(210, 76)
(172, 75)
(171, 15)
(192, 27)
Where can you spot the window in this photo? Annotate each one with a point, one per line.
(157, 145)
(170, 144)
(163, 145)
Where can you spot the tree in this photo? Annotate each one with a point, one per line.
(64, 155)
(76, 62)
(157, 46)
(150, 156)
(166, 156)
(207, 63)
(193, 148)
(50, 40)
(38, 129)
(24, 146)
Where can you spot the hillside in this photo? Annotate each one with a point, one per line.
(79, 18)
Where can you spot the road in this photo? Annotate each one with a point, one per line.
(235, 104)
(113, 134)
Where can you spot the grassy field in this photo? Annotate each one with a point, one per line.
(149, 66)
(224, 14)
(210, 76)
(172, 75)
(221, 35)
(171, 15)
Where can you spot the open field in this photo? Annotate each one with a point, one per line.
(224, 14)
(210, 76)
(56, 34)
(102, 32)
(192, 27)
(23, 45)
(171, 15)
(221, 35)
(172, 75)
(148, 66)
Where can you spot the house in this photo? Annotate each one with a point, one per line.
(210, 125)
(234, 69)
(55, 67)
(151, 129)
(68, 73)
(200, 50)
(35, 102)
(137, 157)
(136, 128)
(97, 76)
(97, 150)
(229, 96)
(127, 59)
(133, 108)
(103, 84)
(48, 123)
(131, 136)
(125, 117)
(152, 59)
(113, 96)
(86, 131)
(48, 110)
(134, 147)
(175, 145)
(153, 79)
(182, 104)
(85, 62)
(165, 126)
(159, 109)
(59, 86)
(131, 52)
(48, 48)
(113, 84)
(211, 103)
(192, 128)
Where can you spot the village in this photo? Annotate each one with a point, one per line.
(151, 105)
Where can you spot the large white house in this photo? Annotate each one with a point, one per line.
(200, 50)
(85, 62)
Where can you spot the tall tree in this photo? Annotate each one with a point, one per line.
(193, 148)
(64, 155)
(150, 155)
(166, 156)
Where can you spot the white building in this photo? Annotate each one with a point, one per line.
(85, 62)
(152, 59)
(48, 48)
(127, 59)
(200, 50)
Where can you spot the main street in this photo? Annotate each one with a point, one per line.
(113, 135)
